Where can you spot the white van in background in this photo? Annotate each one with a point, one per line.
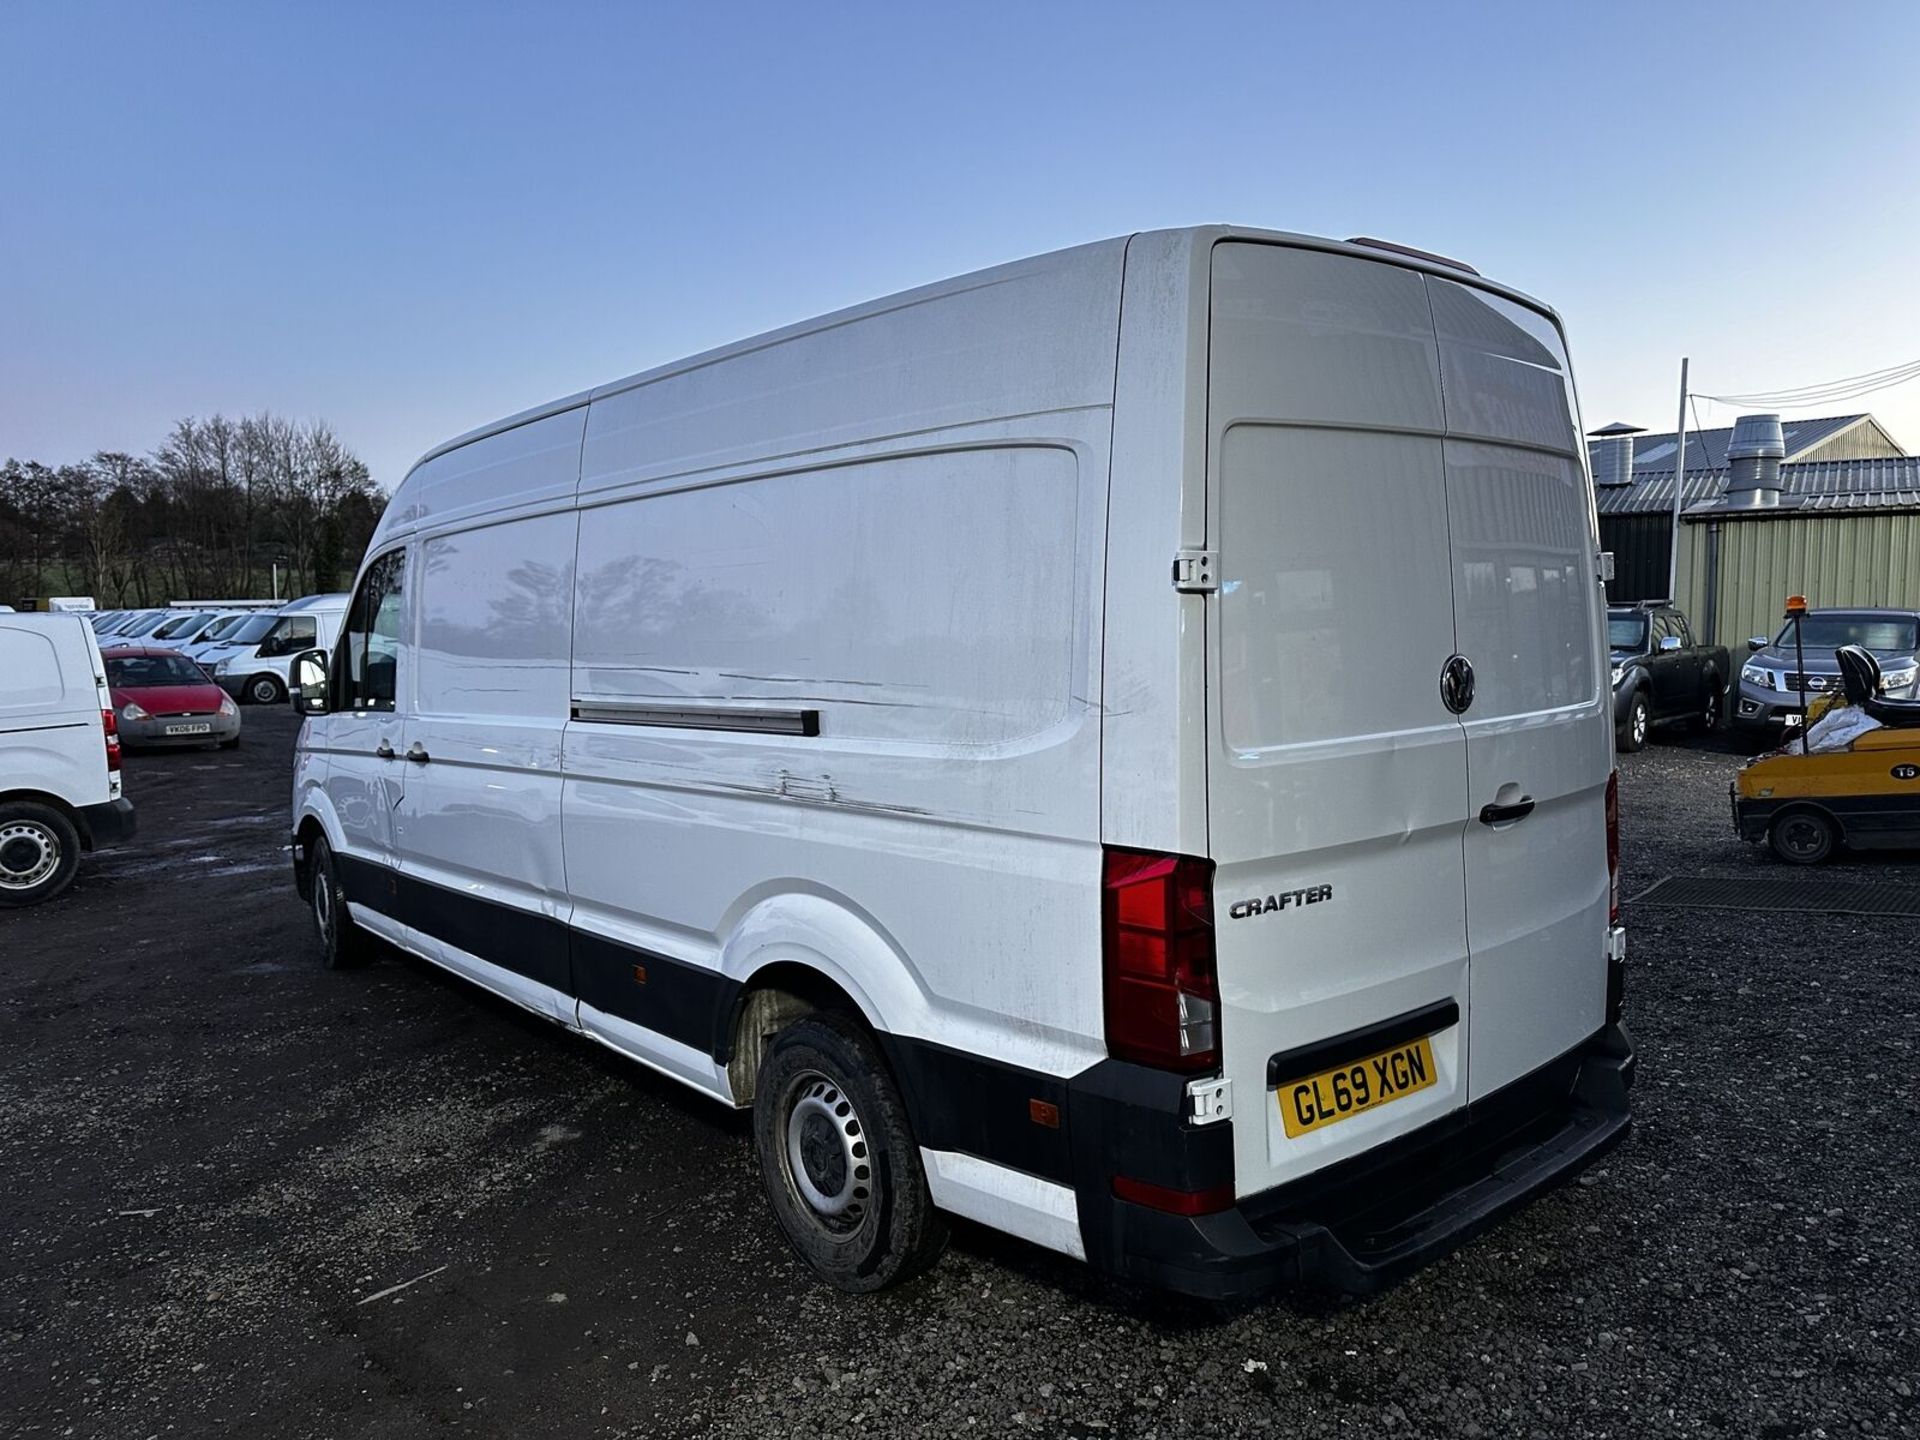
(59, 755)
(1116, 746)
(251, 665)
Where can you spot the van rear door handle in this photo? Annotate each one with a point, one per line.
(383, 751)
(1501, 814)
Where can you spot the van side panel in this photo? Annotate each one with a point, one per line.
(479, 822)
(1153, 723)
(1024, 339)
(947, 805)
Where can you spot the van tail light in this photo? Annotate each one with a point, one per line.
(1157, 959)
(110, 722)
(1613, 848)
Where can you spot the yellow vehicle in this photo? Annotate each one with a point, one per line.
(1852, 775)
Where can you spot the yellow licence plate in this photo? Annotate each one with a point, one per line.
(1316, 1101)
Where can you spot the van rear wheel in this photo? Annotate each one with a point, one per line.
(39, 851)
(839, 1162)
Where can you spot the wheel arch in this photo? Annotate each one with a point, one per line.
(53, 802)
(793, 954)
(1806, 806)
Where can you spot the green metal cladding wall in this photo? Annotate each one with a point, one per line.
(1835, 559)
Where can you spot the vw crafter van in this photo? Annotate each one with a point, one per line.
(1115, 746)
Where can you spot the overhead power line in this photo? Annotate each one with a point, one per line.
(1827, 393)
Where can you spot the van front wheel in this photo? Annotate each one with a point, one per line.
(838, 1159)
(266, 690)
(343, 944)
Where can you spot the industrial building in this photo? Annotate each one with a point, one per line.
(1826, 508)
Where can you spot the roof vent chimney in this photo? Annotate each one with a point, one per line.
(1613, 453)
(1753, 461)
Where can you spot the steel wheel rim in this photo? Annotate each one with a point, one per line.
(323, 906)
(825, 1157)
(263, 692)
(29, 853)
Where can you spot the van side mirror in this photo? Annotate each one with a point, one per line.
(1756, 642)
(1669, 642)
(307, 682)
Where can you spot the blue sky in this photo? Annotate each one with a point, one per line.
(409, 218)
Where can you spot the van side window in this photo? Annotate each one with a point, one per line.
(366, 670)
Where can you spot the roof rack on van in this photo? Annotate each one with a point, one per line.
(1374, 244)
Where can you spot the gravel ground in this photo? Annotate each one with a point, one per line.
(220, 1161)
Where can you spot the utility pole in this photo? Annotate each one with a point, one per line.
(1679, 489)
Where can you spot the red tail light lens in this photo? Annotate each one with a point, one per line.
(111, 722)
(1613, 848)
(1162, 990)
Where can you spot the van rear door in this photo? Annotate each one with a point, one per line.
(1407, 633)
(1336, 775)
(1528, 616)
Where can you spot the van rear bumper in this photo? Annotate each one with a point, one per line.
(111, 822)
(1366, 1223)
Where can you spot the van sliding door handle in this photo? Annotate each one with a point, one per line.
(383, 751)
(1501, 814)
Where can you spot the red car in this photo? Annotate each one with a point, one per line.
(163, 698)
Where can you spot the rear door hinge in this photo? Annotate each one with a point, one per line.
(1196, 572)
(1209, 1100)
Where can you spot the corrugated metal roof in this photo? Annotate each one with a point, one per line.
(1877, 484)
(1707, 449)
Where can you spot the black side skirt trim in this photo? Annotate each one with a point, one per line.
(686, 1003)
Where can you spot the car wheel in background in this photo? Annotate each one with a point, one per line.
(266, 690)
(1707, 720)
(1803, 837)
(39, 851)
(342, 943)
(839, 1162)
(1633, 730)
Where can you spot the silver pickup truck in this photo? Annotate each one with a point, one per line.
(1775, 686)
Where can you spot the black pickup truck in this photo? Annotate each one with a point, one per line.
(1660, 675)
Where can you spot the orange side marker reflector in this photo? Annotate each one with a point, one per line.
(1042, 1113)
(639, 974)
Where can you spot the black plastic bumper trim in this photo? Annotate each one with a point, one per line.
(111, 822)
(1368, 1040)
(1366, 1223)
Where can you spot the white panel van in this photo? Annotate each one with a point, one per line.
(59, 755)
(1115, 746)
(251, 663)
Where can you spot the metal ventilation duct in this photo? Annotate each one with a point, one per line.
(1753, 461)
(1613, 453)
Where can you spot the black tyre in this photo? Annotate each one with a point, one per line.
(342, 943)
(39, 851)
(1707, 719)
(1633, 729)
(265, 690)
(1803, 837)
(838, 1159)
